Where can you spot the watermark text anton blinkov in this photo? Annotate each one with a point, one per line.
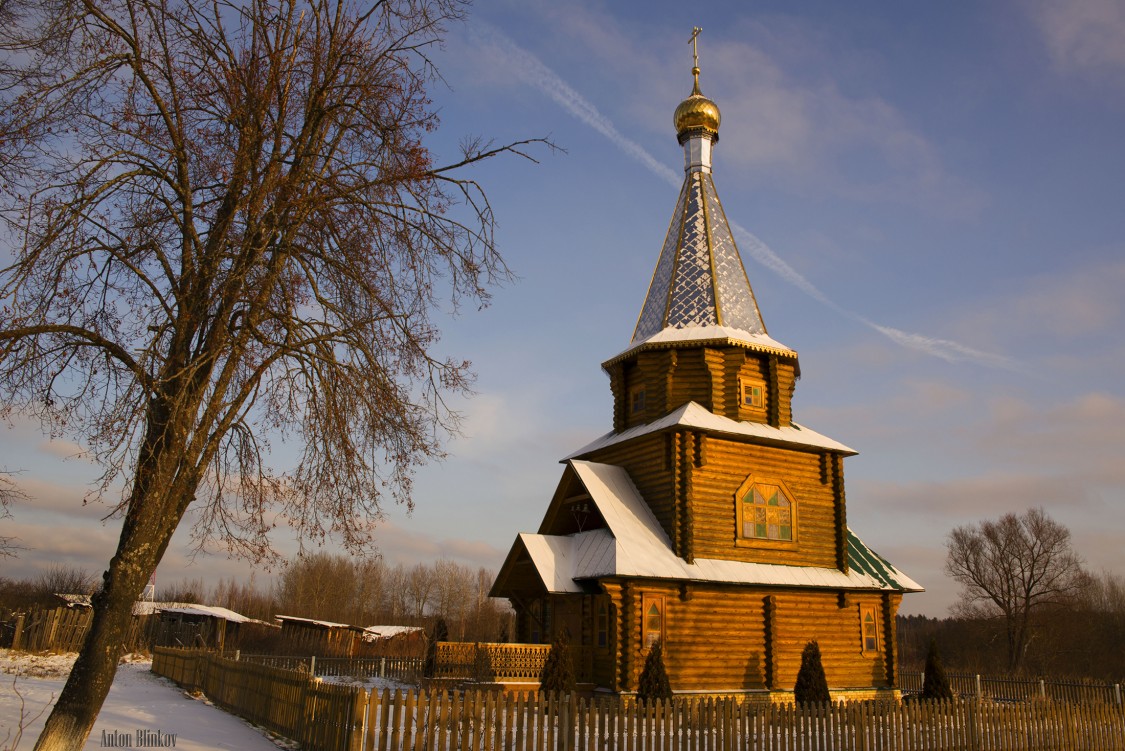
(140, 738)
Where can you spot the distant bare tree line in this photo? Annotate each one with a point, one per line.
(367, 592)
(1079, 636)
(361, 592)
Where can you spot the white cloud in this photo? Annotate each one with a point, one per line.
(1083, 35)
(532, 71)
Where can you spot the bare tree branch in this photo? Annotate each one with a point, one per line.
(228, 228)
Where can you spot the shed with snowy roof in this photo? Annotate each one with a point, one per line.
(706, 518)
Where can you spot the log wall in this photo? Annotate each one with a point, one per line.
(708, 376)
(714, 511)
(720, 637)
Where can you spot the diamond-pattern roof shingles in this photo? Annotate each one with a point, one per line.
(656, 303)
(699, 279)
(737, 306)
(692, 297)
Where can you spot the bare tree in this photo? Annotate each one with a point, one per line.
(320, 586)
(1011, 569)
(9, 493)
(227, 227)
(421, 581)
(61, 579)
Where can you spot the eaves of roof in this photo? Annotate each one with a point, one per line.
(693, 415)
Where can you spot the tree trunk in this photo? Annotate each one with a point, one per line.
(146, 532)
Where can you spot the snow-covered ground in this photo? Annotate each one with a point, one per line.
(139, 704)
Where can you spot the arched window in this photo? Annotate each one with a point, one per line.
(766, 512)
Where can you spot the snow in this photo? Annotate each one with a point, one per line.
(693, 415)
(137, 701)
(372, 633)
(144, 607)
(637, 546)
(211, 610)
(709, 333)
(324, 624)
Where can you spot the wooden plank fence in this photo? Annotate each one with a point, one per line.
(52, 629)
(64, 629)
(348, 719)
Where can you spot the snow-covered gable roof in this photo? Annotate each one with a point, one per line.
(145, 607)
(375, 633)
(75, 601)
(313, 622)
(693, 415)
(635, 545)
(209, 610)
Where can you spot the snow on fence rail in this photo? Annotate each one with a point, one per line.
(349, 719)
(403, 669)
(1019, 689)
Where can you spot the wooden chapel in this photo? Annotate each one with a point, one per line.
(707, 518)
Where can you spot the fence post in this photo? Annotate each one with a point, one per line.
(19, 633)
(382, 667)
(237, 654)
(1117, 692)
(979, 694)
(312, 666)
(1042, 689)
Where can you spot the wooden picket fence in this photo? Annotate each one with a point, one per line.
(319, 717)
(293, 704)
(493, 721)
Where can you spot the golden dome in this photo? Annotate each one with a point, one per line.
(697, 111)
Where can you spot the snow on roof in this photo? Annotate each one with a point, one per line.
(372, 633)
(560, 560)
(209, 610)
(313, 622)
(144, 607)
(693, 415)
(75, 601)
(694, 336)
(635, 545)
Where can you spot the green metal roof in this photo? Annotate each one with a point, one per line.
(866, 561)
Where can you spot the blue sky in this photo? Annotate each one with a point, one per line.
(936, 191)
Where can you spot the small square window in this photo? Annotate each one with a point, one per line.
(637, 400)
(753, 393)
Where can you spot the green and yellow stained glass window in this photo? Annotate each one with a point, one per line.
(767, 513)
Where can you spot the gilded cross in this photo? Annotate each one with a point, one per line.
(695, 45)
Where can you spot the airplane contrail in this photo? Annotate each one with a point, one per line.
(533, 71)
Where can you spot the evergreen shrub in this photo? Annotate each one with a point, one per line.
(812, 683)
(654, 685)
